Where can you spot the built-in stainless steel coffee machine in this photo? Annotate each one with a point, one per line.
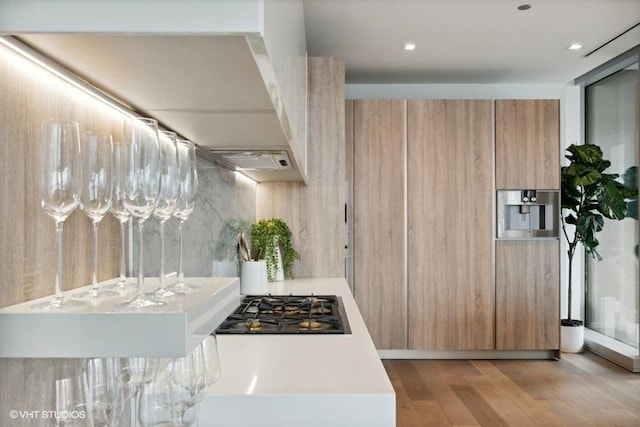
(527, 214)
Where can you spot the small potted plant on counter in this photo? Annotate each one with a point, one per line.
(271, 240)
(588, 195)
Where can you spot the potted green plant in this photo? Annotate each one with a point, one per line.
(588, 196)
(271, 240)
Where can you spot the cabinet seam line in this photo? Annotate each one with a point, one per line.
(405, 267)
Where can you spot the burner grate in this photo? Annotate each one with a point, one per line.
(287, 314)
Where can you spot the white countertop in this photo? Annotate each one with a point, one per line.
(302, 380)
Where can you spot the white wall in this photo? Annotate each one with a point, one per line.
(571, 131)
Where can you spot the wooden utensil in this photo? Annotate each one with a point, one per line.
(245, 252)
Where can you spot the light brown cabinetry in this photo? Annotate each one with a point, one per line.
(315, 212)
(450, 237)
(456, 288)
(527, 144)
(527, 271)
(527, 295)
(378, 212)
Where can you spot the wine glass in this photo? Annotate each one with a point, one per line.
(155, 402)
(141, 189)
(72, 397)
(207, 367)
(59, 190)
(118, 210)
(134, 374)
(211, 359)
(167, 199)
(188, 178)
(176, 390)
(163, 401)
(102, 379)
(54, 385)
(189, 386)
(96, 152)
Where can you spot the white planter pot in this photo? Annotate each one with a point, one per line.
(280, 269)
(571, 339)
(253, 277)
(276, 270)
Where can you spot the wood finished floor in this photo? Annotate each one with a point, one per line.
(579, 390)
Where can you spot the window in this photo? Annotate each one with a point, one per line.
(612, 117)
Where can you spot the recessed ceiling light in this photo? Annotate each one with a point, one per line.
(524, 7)
(575, 46)
(409, 46)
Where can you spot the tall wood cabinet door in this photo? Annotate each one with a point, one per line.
(527, 144)
(315, 212)
(528, 295)
(378, 212)
(450, 216)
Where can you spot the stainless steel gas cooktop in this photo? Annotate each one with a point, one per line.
(287, 314)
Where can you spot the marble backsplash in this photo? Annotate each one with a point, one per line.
(225, 202)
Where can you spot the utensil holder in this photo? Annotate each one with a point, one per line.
(253, 277)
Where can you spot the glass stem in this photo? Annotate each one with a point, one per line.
(162, 273)
(59, 227)
(94, 276)
(180, 272)
(140, 261)
(122, 252)
(136, 403)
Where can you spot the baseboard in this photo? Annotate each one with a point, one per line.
(469, 354)
(613, 350)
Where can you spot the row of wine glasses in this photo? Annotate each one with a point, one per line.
(150, 172)
(112, 391)
(177, 386)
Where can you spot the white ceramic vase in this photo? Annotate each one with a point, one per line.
(571, 339)
(276, 272)
(279, 269)
(253, 277)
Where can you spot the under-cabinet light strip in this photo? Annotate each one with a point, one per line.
(245, 178)
(62, 73)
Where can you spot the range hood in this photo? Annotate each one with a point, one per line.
(251, 162)
(227, 75)
(248, 161)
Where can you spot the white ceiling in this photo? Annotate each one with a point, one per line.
(469, 41)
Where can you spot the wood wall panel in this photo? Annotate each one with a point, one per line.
(450, 233)
(378, 211)
(527, 295)
(27, 234)
(527, 144)
(315, 213)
